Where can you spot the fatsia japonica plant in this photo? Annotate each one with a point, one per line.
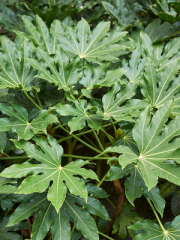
(90, 122)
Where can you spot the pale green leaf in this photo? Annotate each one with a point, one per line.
(49, 154)
(99, 43)
(16, 71)
(19, 121)
(57, 70)
(82, 115)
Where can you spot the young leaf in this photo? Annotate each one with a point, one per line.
(16, 71)
(19, 121)
(112, 101)
(134, 67)
(57, 70)
(41, 36)
(49, 154)
(153, 231)
(81, 111)
(155, 146)
(96, 76)
(124, 220)
(92, 45)
(168, 84)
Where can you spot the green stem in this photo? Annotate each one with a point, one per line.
(97, 156)
(49, 4)
(98, 141)
(54, 2)
(111, 203)
(103, 179)
(73, 228)
(38, 99)
(155, 213)
(13, 158)
(27, 95)
(89, 140)
(104, 235)
(113, 125)
(111, 139)
(5, 154)
(94, 149)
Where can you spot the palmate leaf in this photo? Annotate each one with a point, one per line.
(166, 80)
(160, 55)
(153, 231)
(58, 70)
(16, 71)
(99, 43)
(8, 233)
(134, 67)
(97, 76)
(155, 146)
(113, 99)
(82, 115)
(58, 223)
(122, 12)
(127, 217)
(135, 186)
(49, 153)
(19, 121)
(40, 35)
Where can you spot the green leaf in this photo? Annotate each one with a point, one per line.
(58, 223)
(175, 202)
(7, 188)
(16, 71)
(96, 191)
(155, 146)
(41, 36)
(166, 80)
(167, 188)
(134, 67)
(135, 186)
(19, 121)
(113, 99)
(2, 141)
(49, 154)
(81, 111)
(122, 12)
(96, 76)
(153, 231)
(57, 70)
(99, 43)
(127, 217)
(8, 233)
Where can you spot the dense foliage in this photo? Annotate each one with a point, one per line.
(87, 86)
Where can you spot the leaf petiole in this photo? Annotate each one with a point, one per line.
(27, 95)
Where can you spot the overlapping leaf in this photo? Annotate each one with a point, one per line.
(41, 36)
(135, 186)
(127, 217)
(58, 223)
(98, 44)
(135, 66)
(81, 111)
(49, 154)
(19, 121)
(153, 231)
(16, 71)
(8, 233)
(122, 12)
(5, 186)
(58, 70)
(113, 99)
(160, 87)
(155, 146)
(97, 76)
